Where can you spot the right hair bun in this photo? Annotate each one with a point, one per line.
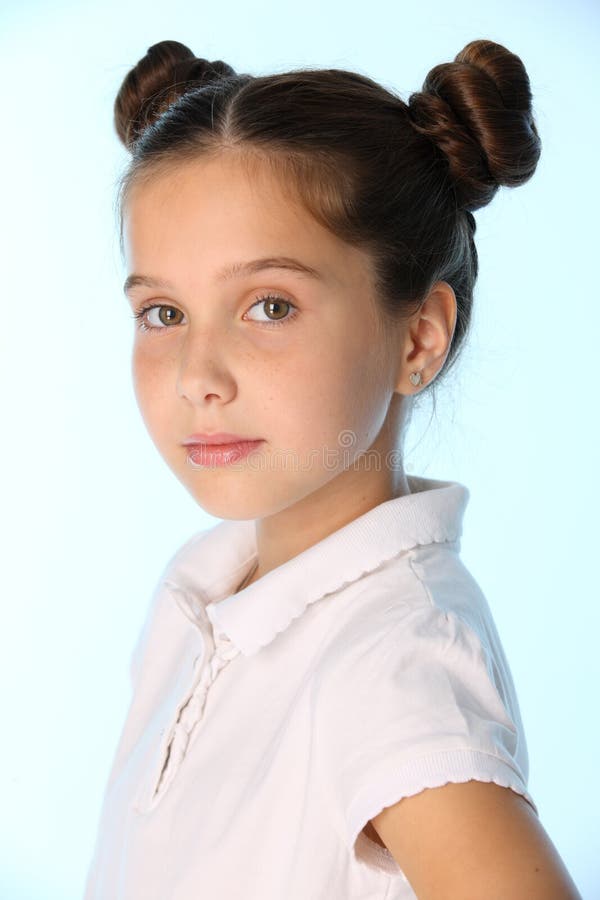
(167, 71)
(478, 111)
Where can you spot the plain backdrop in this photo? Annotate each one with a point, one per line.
(91, 513)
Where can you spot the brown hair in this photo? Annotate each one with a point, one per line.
(399, 180)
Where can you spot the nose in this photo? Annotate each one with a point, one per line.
(202, 372)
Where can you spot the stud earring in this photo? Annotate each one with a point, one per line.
(415, 377)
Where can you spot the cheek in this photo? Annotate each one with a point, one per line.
(337, 387)
(150, 384)
(361, 400)
(357, 363)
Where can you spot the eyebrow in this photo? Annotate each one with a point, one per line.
(230, 271)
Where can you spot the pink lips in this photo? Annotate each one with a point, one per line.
(219, 437)
(219, 449)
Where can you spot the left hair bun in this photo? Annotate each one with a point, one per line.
(167, 71)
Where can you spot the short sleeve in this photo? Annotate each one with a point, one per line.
(415, 707)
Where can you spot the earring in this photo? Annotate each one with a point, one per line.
(415, 377)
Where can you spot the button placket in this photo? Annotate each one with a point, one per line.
(218, 652)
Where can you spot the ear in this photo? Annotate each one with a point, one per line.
(427, 338)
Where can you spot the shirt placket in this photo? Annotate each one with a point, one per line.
(218, 652)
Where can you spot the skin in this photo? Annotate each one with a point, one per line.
(299, 385)
(474, 841)
(331, 371)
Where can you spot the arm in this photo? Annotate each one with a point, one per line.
(474, 841)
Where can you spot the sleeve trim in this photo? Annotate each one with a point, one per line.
(391, 783)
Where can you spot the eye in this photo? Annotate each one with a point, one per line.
(276, 306)
(164, 313)
(277, 310)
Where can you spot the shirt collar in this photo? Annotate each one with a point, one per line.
(209, 567)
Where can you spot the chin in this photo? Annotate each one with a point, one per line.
(220, 499)
(228, 508)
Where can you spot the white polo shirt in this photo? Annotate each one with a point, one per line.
(267, 727)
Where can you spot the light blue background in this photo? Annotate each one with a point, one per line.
(92, 513)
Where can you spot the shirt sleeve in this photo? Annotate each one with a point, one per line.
(413, 708)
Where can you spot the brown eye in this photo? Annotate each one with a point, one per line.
(166, 315)
(278, 310)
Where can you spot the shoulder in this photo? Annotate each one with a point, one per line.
(414, 608)
(398, 659)
(412, 693)
(160, 605)
(410, 663)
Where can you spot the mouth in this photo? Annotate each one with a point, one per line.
(209, 455)
(218, 438)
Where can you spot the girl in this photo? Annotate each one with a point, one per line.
(321, 706)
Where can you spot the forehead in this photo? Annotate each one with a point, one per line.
(218, 210)
(216, 192)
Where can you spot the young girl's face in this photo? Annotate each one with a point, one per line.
(310, 376)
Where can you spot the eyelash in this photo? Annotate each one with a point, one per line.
(143, 326)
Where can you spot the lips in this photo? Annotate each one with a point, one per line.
(221, 438)
(201, 455)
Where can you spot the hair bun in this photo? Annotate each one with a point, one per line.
(167, 71)
(478, 111)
